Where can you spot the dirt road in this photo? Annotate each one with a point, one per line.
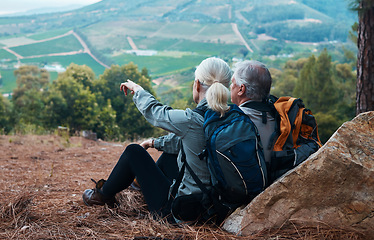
(236, 30)
(82, 42)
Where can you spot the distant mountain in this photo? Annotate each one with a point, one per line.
(44, 10)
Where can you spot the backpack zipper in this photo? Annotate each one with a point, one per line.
(294, 162)
(259, 163)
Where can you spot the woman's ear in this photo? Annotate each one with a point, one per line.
(198, 86)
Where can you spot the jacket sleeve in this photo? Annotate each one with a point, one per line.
(169, 143)
(163, 116)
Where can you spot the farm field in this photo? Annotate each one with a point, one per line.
(203, 48)
(49, 34)
(103, 32)
(39, 50)
(6, 55)
(160, 65)
(65, 61)
(9, 81)
(65, 44)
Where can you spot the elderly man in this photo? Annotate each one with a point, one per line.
(251, 83)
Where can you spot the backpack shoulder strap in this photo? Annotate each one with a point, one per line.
(201, 110)
(193, 174)
(181, 174)
(266, 106)
(178, 180)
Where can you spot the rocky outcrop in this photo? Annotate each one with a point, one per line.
(335, 186)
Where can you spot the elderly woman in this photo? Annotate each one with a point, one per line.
(186, 132)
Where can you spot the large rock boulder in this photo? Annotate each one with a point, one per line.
(335, 186)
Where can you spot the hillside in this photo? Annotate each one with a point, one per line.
(253, 12)
(168, 37)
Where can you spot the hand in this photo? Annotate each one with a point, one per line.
(130, 85)
(147, 144)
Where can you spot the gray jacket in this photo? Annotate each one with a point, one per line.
(186, 127)
(265, 130)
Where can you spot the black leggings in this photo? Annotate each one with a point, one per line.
(154, 178)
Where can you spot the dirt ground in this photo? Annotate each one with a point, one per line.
(42, 179)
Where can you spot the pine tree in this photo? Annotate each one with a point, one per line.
(5, 108)
(27, 96)
(316, 85)
(306, 84)
(325, 87)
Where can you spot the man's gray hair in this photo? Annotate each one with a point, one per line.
(256, 78)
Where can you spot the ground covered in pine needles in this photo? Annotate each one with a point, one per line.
(42, 181)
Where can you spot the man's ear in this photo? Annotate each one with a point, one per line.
(242, 90)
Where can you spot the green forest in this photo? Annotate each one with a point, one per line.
(76, 100)
(79, 100)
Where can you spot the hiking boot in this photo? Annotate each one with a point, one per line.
(95, 197)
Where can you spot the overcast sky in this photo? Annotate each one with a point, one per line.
(13, 6)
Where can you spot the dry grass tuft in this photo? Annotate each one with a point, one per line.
(311, 231)
(17, 212)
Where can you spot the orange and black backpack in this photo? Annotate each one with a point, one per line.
(295, 136)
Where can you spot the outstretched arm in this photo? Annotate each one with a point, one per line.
(159, 115)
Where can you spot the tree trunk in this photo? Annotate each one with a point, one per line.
(365, 58)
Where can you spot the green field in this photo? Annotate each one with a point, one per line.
(198, 32)
(204, 48)
(161, 65)
(216, 10)
(65, 61)
(207, 48)
(49, 34)
(9, 81)
(102, 35)
(131, 28)
(60, 45)
(6, 55)
(155, 43)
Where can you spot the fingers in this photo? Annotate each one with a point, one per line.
(147, 144)
(130, 85)
(144, 145)
(123, 88)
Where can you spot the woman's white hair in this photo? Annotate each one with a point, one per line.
(214, 75)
